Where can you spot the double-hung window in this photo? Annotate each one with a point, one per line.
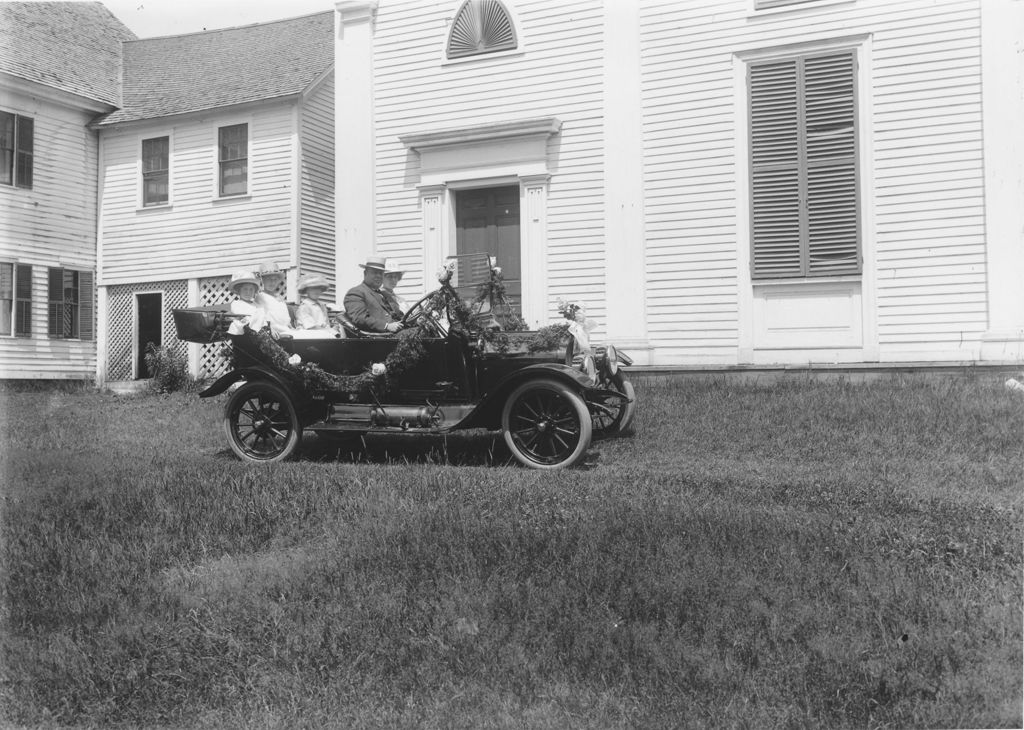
(17, 142)
(803, 164)
(71, 304)
(15, 299)
(155, 171)
(233, 160)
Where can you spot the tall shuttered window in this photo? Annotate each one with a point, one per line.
(481, 26)
(233, 158)
(155, 171)
(803, 146)
(70, 312)
(17, 144)
(15, 299)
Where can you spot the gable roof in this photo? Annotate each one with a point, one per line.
(71, 46)
(217, 68)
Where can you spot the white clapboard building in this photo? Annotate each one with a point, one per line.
(727, 183)
(52, 83)
(220, 158)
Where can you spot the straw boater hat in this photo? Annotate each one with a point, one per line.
(312, 281)
(377, 263)
(390, 268)
(243, 277)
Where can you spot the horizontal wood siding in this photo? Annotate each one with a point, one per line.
(925, 141)
(198, 235)
(316, 205)
(52, 224)
(558, 74)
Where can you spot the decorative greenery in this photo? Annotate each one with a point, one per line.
(168, 369)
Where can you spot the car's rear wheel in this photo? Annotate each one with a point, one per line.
(546, 425)
(261, 423)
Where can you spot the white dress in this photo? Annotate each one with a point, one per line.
(253, 317)
(275, 311)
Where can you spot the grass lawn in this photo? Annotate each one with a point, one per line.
(795, 555)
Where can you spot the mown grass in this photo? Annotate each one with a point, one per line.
(800, 554)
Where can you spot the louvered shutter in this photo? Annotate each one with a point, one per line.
(775, 169)
(804, 218)
(86, 329)
(481, 26)
(830, 122)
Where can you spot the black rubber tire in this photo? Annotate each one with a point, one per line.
(623, 415)
(261, 423)
(546, 416)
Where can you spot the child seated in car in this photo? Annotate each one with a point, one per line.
(312, 316)
(244, 285)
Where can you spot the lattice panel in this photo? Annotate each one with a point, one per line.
(121, 330)
(213, 291)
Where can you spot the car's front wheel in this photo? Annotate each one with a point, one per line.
(261, 423)
(546, 425)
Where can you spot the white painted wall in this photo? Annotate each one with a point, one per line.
(51, 224)
(199, 234)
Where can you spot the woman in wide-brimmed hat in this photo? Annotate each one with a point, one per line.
(274, 307)
(312, 315)
(393, 275)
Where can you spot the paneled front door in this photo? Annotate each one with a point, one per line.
(487, 221)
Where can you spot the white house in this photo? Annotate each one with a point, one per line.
(220, 158)
(728, 183)
(52, 84)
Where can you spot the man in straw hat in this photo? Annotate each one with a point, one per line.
(366, 304)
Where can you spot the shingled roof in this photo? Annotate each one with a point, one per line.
(71, 46)
(217, 68)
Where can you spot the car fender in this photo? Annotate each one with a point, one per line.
(224, 382)
(487, 413)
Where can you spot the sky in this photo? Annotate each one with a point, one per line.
(150, 18)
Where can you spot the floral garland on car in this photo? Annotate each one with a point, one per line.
(407, 353)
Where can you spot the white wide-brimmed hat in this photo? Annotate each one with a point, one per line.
(270, 267)
(312, 281)
(377, 263)
(243, 277)
(390, 268)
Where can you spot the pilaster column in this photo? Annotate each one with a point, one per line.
(624, 238)
(533, 193)
(1002, 64)
(102, 334)
(193, 348)
(433, 214)
(354, 132)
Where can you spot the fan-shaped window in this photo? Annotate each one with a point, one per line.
(481, 26)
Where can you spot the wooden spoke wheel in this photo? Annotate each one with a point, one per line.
(261, 423)
(616, 416)
(546, 425)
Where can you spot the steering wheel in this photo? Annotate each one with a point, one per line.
(418, 315)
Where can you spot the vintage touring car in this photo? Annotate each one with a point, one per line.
(463, 361)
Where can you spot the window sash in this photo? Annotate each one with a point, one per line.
(17, 140)
(71, 310)
(233, 159)
(155, 171)
(15, 299)
(804, 177)
(23, 300)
